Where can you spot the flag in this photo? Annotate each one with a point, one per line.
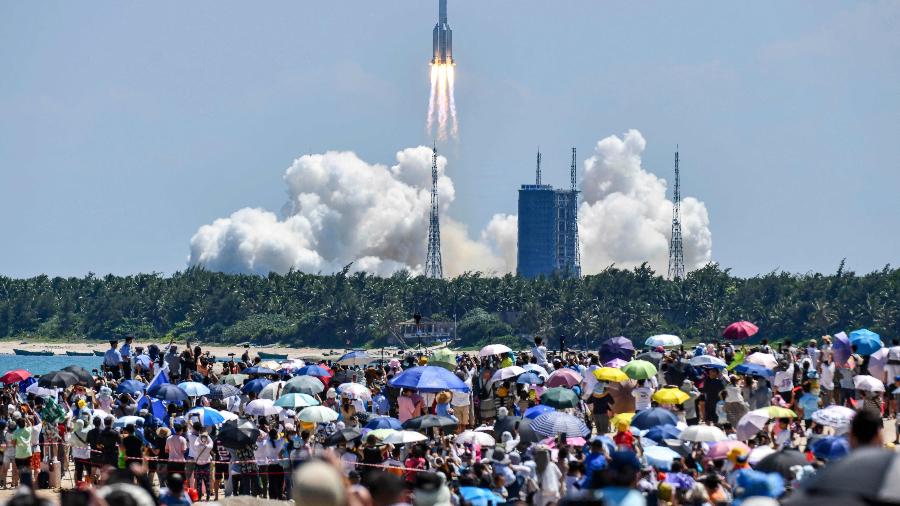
(161, 378)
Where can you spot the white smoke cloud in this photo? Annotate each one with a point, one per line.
(342, 209)
(625, 218)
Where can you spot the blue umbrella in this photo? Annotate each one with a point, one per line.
(480, 496)
(313, 370)
(866, 341)
(130, 387)
(530, 378)
(754, 370)
(208, 416)
(223, 390)
(660, 457)
(384, 422)
(255, 386)
(258, 370)
(661, 432)
(650, 418)
(355, 358)
(536, 411)
(167, 392)
(428, 379)
(831, 448)
(125, 421)
(194, 389)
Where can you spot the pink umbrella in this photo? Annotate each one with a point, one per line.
(563, 378)
(740, 330)
(616, 362)
(571, 441)
(718, 451)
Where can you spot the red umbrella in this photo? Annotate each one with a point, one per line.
(15, 376)
(740, 330)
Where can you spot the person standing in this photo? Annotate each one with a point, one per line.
(539, 352)
(202, 450)
(174, 362)
(22, 438)
(112, 360)
(126, 353)
(410, 405)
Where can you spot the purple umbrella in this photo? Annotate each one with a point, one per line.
(616, 347)
(840, 349)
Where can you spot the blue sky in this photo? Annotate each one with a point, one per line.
(126, 126)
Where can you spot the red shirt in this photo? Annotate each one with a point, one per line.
(624, 439)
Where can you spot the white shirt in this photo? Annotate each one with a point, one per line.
(826, 380)
(784, 380)
(642, 397)
(540, 354)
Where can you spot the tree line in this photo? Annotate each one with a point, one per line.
(329, 310)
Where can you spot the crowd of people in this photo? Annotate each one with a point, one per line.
(715, 423)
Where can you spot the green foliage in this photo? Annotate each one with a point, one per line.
(308, 309)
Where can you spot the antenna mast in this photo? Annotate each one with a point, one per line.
(433, 263)
(575, 217)
(537, 179)
(676, 247)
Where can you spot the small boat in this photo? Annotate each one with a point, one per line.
(99, 353)
(41, 353)
(80, 353)
(272, 356)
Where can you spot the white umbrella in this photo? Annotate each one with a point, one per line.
(355, 390)
(228, 415)
(474, 437)
(660, 457)
(867, 383)
(484, 428)
(272, 391)
(493, 349)
(34, 389)
(317, 414)
(262, 407)
(506, 373)
(759, 453)
(834, 416)
(766, 360)
(708, 361)
(291, 364)
(750, 424)
(702, 434)
(538, 369)
(403, 436)
(663, 340)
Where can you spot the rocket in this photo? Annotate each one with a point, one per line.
(442, 38)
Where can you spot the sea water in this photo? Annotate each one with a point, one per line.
(45, 364)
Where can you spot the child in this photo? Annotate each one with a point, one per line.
(624, 439)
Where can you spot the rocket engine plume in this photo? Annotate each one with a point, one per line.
(441, 103)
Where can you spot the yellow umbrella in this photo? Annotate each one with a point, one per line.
(610, 374)
(621, 418)
(776, 412)
(381, 433)
(670, 395)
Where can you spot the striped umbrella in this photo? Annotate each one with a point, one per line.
(552, 424)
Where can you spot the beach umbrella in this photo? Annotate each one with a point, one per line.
(14, 376)
(309, 385)
(754, 370)
(400, 437)
(627, 419)
(428, 379)
(317, 414)
(834, 416)
(237, 434)
(125, 421)
(506, 373)
(707, 361)
(558, 422)
(660, 457)
(39, 391)
(342, 436)
(429, 421)
(639, 369)
(255, 386)
(58, 379)
(869, 473)
(480, 496)
(610, 374)
(262, 407)
(840, 349)
(130, 387)
(207, 416)
(194, 389)
(664, 340)
(670, 395)
(740, 330)
(564, 378)
(536, 411)
(294, 401)
(355, 358)
(766, 360)
(781, 462)
(616, 347)
(222, 390)
(559, 398)
(84, 376)
(272, 391)
(831, 448)
(866, 383)
(661, 432)
(530, 378)
(494, 349)
(703, 434)
(167, 392)
(866, 341)
(654, 416)
(235, 379)
(259, 370)
(720, 450)
(384, 422)
(474, 437)
(444, 357)
(538, 369)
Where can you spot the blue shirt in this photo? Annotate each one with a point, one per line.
(809, 403)
(381, 405)
(125, 351)
(112, 357)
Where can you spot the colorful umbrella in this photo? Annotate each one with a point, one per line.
(125, 421)
(721, 449)
(662, 432)
(559, 398)
(207, 416)
(625, 418)
(506, 373)
(616, 363)
(480, 496)
(194, 389)
(294, 401)
(616, 347)
(759, 453)
(493, 349)
(380, 434)
(754, 370)
(670, 395)
(314, 370)
(551, 424)
(652, 417)
(317, 414)
(428, 422)
(355, 391)
(610, 374)
(740, 330)
(263, 371)
(663, 340)
(639, 369)
(255, 386)
(840, 349)
(564, 378)
(14, 376)
(355, 358)
(776, 412)
(444, 357)
(866, 341)
(536, 411)
(428, 379)
(530, 378)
